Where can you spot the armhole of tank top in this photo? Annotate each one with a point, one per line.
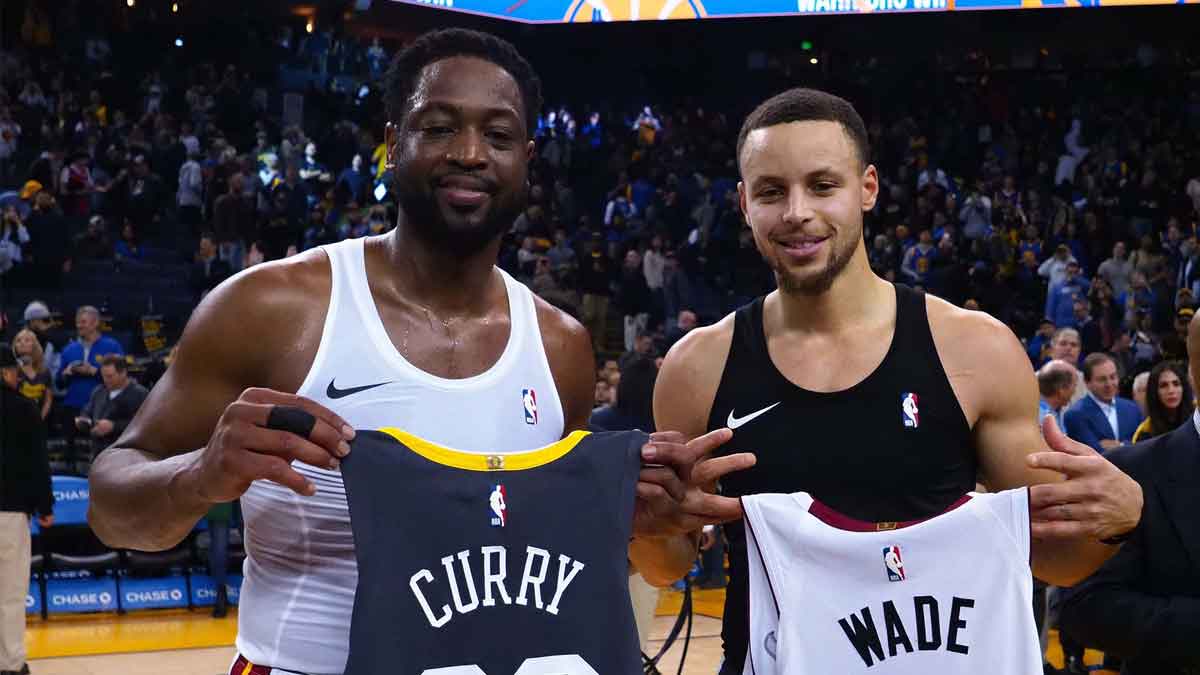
(918, 333)
(752, 508)
(744, 343)
(1013, 518)
(337, 255)
(529, 329)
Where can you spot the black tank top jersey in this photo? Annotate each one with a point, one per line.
(507, 563)
(894, 447)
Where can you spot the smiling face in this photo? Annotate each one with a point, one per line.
(462, 154)
(803, 195)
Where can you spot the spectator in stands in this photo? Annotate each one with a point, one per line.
(190, 196)
(47, 246)
(685, 322)
(128, 248)
(1141, 605)
(24, 491)
(1056, 384)
(35, 384)
(94, 244)
(112, 405)
(1060, 299)
(14, 239)
(208, 270)
(976, 213)
(643, 347)
(38, 319)
(1141, 383)
(1102, 419)
(632, 408)
(1090, 333)
(1174, 344)
(1054, 268)
(77, 185)
(354, 182)
(595, 276)
(79, 373)
(1116, 270)
(144, 194)
(633, 297)
(1168, 401)
(10, 135)
(917, 260)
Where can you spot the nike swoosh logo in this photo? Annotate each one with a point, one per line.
(333, 392)
(735, 422)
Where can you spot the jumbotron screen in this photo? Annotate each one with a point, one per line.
(589, 11)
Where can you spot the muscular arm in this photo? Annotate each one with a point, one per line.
(993, 382)
(144, 492)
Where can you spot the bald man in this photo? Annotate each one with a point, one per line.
(1056, 385)
(1143, 604)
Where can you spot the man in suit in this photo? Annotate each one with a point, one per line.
(24, 491)
(113, 404)
(1143, 605)
(1102, 419)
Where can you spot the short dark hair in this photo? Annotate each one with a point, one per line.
(116, 361)
(437, 45)
(1093, 361)
(1052, 380)
(805, 105)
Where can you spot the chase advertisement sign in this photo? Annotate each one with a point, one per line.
(81, 595)
(154, 593)
(33, 599)
(204, 590)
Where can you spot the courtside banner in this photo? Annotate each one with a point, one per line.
(33, 599)
(65, 596)
(598, 11)
(204, 590)
(154, 593)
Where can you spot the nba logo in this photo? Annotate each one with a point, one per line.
(912, 414)
(530, 400)
(893, 563)
(499, 508)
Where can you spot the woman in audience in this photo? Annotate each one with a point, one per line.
(34, 375)
(1168, 401)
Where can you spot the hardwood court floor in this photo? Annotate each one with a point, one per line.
(183, 643)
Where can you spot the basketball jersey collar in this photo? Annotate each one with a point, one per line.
(474, 461)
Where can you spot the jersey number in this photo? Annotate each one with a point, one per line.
(562, 664)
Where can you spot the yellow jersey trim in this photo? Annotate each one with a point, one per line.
(474, 461)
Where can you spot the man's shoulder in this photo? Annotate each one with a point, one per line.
(1128, 405)
(1138, 459)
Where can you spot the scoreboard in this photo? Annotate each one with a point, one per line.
(589, 11)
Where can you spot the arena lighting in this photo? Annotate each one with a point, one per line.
(178, 42)
(806, 45)
(174, 7)
(813, 60)
(129, 3)
(308, 27)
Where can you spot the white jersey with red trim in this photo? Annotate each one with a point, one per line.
(952, 594)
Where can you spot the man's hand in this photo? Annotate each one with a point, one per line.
(242, 449)
(1096, 501)
(82, 423)
(102, 428)
(45, 521)
(675, 489)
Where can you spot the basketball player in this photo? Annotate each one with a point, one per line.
(880, 401)
(416, 329)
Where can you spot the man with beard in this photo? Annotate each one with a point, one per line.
(879, 401)
(416, 329)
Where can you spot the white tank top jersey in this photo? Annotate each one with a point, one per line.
(300, 573)
(949, 595)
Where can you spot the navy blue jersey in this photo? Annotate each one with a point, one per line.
(477, 564)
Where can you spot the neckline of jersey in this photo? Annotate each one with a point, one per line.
(837, 520)
(489, 462)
